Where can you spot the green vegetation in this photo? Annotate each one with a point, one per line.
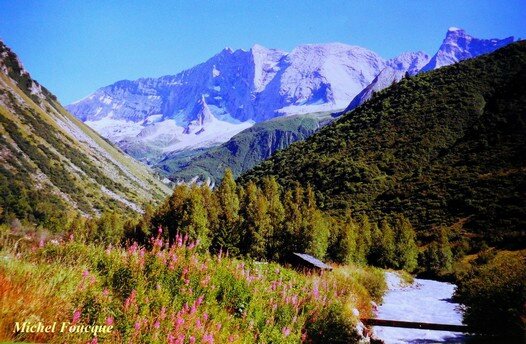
(53, 167)
(175, 294)
(268, 224)
(494, 291)
(443, 148)
(244, 150)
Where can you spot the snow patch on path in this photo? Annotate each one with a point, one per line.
(423, 301)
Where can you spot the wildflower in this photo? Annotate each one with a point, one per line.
(109, 321)
(137, 325)
(179, 240)
(162, 315)
(191, 339)
(315, 290)
(94, 340)
(76, 316)
(160, 230)
(208, 338)
(286, 331)
(157, 324)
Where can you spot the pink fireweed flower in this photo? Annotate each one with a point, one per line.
(315, 290)
(76, 316)
(109, 321)
(85, 274)
(160, 230)
(162, 315)
(286, 331)
(191, 340)
(179, 240)
(137, 325)
(105, 292)
(133, 248)
(94, 340)
(41, 243)
(157, 324)
(130, 300)
(208, 338)
(205, 281)
(179, 321)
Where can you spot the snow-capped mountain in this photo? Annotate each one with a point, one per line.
(396, 69)
(458, 46)
(209, 103)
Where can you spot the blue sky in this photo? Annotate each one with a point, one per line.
(74, 47)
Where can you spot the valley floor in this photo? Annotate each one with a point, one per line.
(423, 301)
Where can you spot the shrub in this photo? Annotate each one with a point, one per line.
(495, 294)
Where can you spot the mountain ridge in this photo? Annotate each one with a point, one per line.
(50, 157)
(444, 148)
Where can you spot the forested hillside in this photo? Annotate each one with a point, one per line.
(445, 147)
(244, 150)
(52, 165)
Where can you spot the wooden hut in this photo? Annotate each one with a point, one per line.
(306, 262)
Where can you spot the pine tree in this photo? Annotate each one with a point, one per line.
(256, 222)
(276, 212)
(376, 247)
(406, 248)
(228, 233)
(315, 227)
(387, 257)
(445, 255)
(194, 220)
(363, 239)
(343, 240)
(291, 241)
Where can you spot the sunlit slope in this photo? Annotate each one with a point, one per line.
(51, 162)
(443, 147)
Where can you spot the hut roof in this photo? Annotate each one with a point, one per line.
(313, 261)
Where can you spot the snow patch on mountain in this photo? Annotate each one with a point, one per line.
(396, 69)
(236, 88)
(213, 101)
(458, 46)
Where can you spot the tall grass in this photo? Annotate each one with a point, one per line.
(174, 294)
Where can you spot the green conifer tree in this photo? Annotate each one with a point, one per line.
(276, 212)
(228, 234)
(406, 248)
(387, 258)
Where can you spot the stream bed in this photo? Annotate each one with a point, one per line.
(423, 301)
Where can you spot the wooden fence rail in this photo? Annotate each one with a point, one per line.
(417, 325)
